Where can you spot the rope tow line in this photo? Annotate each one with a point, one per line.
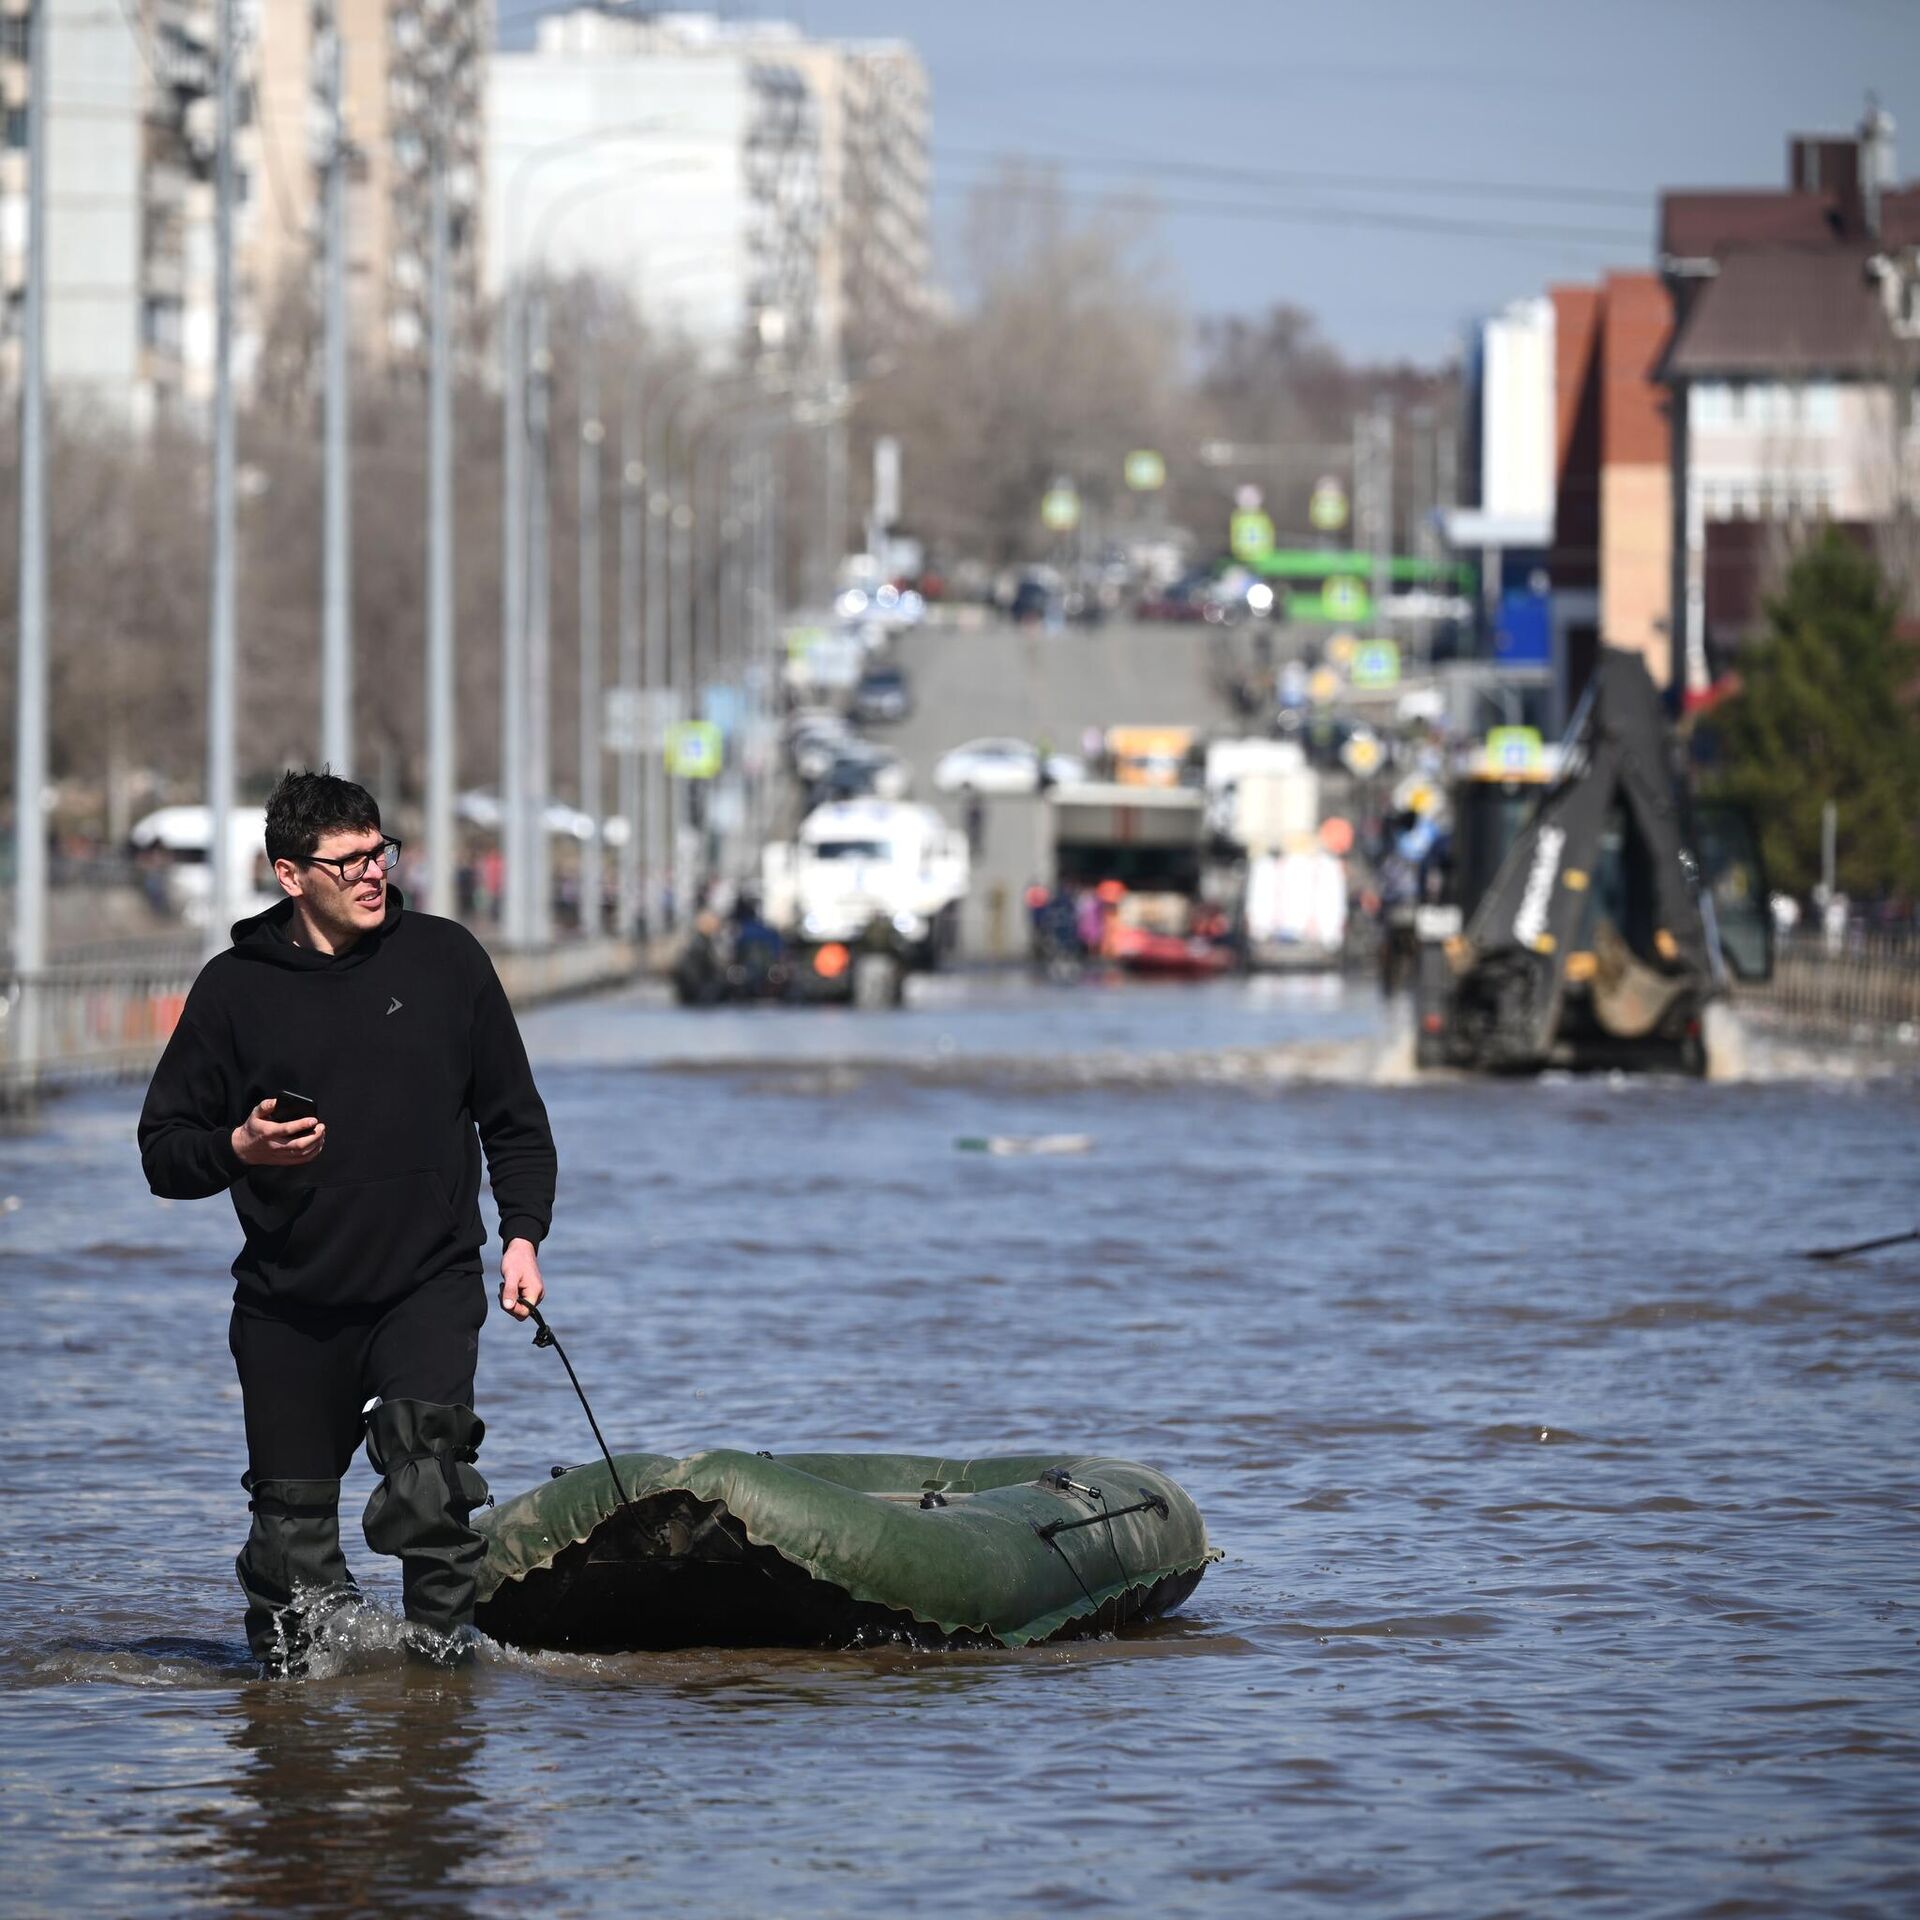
(546, 1337)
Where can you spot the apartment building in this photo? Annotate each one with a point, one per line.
(756, 190)
(413, 80)
(129, 194)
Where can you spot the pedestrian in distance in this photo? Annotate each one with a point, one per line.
(338, 1072)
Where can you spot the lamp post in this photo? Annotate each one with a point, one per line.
(30, 719)
(519, 834)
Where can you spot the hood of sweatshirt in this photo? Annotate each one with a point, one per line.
(264, 937)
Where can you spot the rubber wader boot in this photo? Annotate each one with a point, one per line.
(420, 1510)
(291, 1569)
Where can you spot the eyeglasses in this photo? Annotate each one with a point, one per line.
(352, 869)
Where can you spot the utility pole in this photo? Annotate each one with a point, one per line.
(833, 497)
(1380, 478)
(336, 643)
(30, 721)
(539, 632)
(443, 856)
(679, 675)
(657, 677)
(221, 649)
(592, 433)
(633, 507)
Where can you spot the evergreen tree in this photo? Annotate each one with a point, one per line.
(1827, 712)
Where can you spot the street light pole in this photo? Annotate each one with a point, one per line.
(513, 618)
(336, 645)
(221, 648)
(30, 721)
(633, 507)
(539, 629)
(521, 910)
(592, 433)
(442, 852)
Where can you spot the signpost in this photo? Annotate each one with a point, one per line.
(1344, 597)
(1060, 507)
(1376, 663)
(693, 750)
(1250, 534)
(1361, 754)
(1514, 749)
(1327, 509)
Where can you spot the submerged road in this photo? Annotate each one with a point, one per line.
(1569, 1519)
(1050, 687)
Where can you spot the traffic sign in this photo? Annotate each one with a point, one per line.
(1376, 663)
(1060, 507)
(1344, 597)
(1250, 534)
(1146, 471)
(1514, 749)
(1327, 509)
(693, 749)
(1361, 754)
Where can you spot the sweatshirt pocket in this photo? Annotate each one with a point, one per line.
(356, 1243)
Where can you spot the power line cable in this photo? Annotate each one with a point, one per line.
(1299, 177)
(1311, 214)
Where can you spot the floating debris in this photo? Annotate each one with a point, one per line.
(1006, 1145)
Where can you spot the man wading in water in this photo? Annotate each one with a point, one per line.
(359, 1292)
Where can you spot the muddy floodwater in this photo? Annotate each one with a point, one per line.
(1572, 1523)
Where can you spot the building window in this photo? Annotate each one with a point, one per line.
(17, 129)
(1820, 406)
(1712, 404)
(13, 36)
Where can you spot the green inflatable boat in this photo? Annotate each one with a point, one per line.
(835, 1550)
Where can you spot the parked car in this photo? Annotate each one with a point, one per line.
(883, 695)
(1002, 766)
(858, 770)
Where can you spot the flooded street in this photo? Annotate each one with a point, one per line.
(1570, 1520)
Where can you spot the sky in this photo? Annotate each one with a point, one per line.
(1517, 142)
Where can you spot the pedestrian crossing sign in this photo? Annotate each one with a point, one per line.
(693, 750)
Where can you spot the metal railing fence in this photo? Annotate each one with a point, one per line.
(1862, 984)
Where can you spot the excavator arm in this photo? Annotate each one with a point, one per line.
(1511, 965)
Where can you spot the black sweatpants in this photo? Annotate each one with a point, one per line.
(304, 1377)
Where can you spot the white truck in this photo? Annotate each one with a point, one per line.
(1263, 807)
(179, 838)
(855, 863)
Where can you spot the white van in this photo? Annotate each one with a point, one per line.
(181, 837)
(857, 861)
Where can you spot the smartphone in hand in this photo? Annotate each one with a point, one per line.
(292, 1106)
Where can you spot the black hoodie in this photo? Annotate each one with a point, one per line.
(407, 1045)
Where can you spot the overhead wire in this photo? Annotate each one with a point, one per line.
(1317, 214)
(1426, 186)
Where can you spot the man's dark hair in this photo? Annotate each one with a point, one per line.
(305, 807)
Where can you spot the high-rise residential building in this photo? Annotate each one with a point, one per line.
(876, 257)
(754, 189)
(129, 195)
(127, 138)
(413, 73)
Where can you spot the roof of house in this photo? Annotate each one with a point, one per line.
(1699, 225)
(1786, 312)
